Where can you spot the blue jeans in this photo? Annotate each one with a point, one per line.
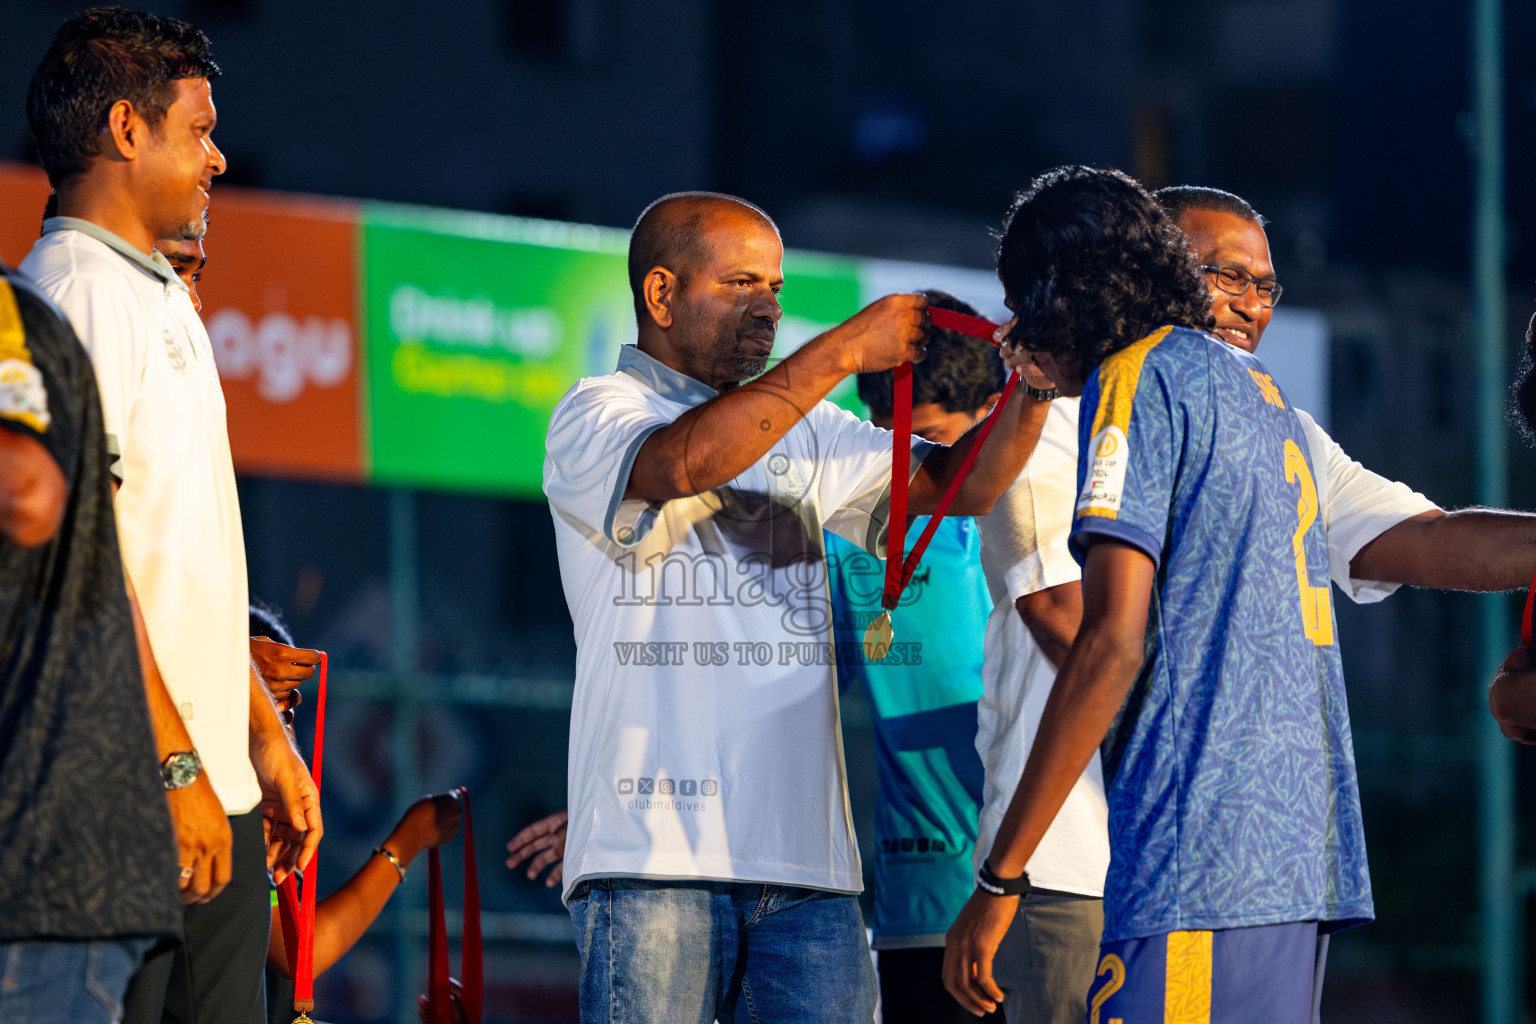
(689, 952)
(66, 982)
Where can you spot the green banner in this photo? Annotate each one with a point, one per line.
(476, 325)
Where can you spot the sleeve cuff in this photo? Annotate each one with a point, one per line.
(627, 523)
(880, 515)
(1088, 527)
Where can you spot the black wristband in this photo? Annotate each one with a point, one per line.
(989, 882)
(1039, 395)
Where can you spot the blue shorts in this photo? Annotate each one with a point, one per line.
(1267, 975)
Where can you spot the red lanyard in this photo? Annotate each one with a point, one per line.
(1526, 619)
(297, 914)
(898, 570)
(472, 950)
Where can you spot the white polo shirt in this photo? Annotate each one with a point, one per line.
(704, 727)
(1024, 550)
(178, 515)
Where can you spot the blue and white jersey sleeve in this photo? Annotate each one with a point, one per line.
(1131, 432)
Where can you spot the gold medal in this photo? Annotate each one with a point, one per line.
(878, 637)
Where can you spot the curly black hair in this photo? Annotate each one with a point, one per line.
(1090, 264)
(1522, 394)
(960, 373)
(97, 58)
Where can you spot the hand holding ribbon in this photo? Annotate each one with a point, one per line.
(900, 565)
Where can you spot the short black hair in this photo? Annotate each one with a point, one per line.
(97, 58)
(1091, 263)
(1177, 200)
(960, 373)
(267, 621)
(669, 234)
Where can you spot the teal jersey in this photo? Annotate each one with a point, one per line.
(924, 709)
(1230, 772)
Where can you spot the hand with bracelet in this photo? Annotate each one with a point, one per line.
(343, 916)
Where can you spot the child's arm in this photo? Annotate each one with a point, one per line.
(343, 916)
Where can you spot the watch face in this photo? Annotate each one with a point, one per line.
(181, 769)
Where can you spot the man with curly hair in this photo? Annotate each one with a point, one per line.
(1205, 663)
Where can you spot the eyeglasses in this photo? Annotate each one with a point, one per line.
(1235, 281)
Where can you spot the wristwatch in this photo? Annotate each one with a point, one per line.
(986, 881)
(181, 769)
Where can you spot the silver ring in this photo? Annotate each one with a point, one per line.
(186, 873)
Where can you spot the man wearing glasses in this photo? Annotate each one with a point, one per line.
(1381, 534)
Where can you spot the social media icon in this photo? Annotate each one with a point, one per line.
(664, 786)
(709, 787)
(687, 787)
(626, 786)
(647, 785)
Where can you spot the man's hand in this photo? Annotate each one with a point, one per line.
(203, 840)
(886, 333)
(546, 838)
(283, 669)
(290, 803)
(969, 947)
(1512, 697)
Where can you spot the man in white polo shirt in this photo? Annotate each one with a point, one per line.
(122, 111)
(711, 868)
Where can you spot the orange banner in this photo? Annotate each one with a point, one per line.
(280, 301)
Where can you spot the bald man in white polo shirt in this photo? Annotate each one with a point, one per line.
(122, 111)
(711, 868)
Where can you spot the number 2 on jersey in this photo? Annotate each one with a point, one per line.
(1316, 604)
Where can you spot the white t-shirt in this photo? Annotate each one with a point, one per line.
(1358, 506)
(178, 515)
(1024, 550)
(704, 727)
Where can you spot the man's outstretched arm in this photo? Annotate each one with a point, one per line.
(1095, 677)
(996, 467)
(1476, 549)
(714, 443)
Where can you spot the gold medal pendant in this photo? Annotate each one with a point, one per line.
(878, 637)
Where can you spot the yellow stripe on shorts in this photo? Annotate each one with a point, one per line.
(1187, 992)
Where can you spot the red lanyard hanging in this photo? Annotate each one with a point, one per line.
(898, 570)
(297, 914)
(472, 951)
(1530, 613)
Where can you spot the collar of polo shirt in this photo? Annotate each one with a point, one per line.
(670, 384)
(154, 264)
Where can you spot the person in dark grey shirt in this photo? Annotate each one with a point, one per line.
(88, 872)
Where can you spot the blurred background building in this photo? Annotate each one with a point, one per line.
(891, 130)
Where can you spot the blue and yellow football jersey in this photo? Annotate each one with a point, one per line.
(1232, 793)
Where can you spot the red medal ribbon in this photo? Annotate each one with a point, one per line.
(1527, 620)
(472, 950)
(899, 570)
(297, 914)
